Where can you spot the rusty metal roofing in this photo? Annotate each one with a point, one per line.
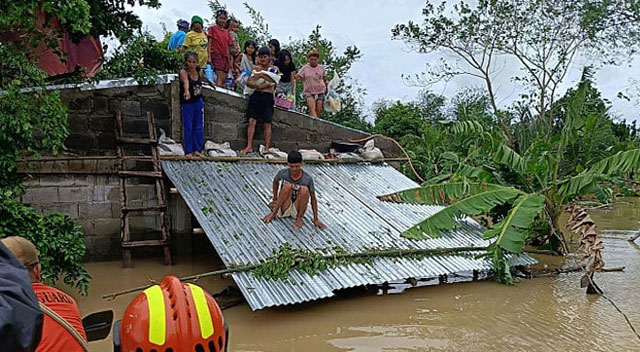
(229, 200)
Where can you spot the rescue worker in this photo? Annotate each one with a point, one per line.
(62, 328)
(172, 316)
(20, 316)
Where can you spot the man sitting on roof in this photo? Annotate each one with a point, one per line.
(297, 188)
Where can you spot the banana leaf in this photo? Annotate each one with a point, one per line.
(512, 231)
(439, 194)
(447, 218)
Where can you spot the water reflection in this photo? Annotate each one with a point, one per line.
(545, 314)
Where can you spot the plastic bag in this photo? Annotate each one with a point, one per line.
(332, 99)
(242, 78)
(216, 149)
(370, 151)
(311, 154)
(274, 153)
(167, 146)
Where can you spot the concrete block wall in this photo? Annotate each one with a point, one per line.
(93, 202)
(92, 114)
(84, 184)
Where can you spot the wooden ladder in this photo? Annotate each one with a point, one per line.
(156, 174)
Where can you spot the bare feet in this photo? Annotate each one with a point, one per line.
(298, 223)
(319, 224)
(267, 219)
(246, 150)
(189, 156)
(198, 154)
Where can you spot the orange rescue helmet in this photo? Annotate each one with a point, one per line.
(173, 317)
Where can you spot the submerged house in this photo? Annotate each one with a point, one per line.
(228, 199)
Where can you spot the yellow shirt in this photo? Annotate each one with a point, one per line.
(197, 42)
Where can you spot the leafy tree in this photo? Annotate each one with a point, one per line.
(34, 120)
(542, 37)
(526, 196)
(143, 58)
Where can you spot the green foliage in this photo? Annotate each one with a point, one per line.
(278, 266)
(512, 231)
(143, 58)
(33, 120)
(621, 163)
(399, 120)
(58, 239)
(116, 18)
(473, 203)
(541, 38)
(522, 192)
(29, 122)
(74, 15)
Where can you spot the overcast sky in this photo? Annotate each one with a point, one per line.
(367, 24)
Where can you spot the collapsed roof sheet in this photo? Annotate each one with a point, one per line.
(229, 200)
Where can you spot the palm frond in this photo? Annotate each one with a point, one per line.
(617, 164)
(438, 194)
(476, 173)
(466, 127)
(446, 219)
(575, 118)
(579, 185)
(511, 232)
(508, 157)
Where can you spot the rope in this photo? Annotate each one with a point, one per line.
(397, 144)
(65, 324)
(601, 293)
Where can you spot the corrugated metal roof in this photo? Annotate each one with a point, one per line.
(229, 200)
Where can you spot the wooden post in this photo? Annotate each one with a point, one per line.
(176, 116)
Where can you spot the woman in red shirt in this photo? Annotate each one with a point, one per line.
(219, 41)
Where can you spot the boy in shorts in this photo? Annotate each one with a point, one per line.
(292, 198)
(260, 106)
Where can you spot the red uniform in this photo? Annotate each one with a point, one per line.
(54, 336)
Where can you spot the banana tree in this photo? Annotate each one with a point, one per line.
(529, 188)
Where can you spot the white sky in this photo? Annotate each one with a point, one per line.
(367, 24)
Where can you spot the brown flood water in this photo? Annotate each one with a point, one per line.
(544, 314)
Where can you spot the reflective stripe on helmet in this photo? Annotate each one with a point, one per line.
(204, 316)
(157, 319)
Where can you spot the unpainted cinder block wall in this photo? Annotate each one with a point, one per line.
(84, 185)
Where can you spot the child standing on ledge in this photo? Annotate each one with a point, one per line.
(191, 105)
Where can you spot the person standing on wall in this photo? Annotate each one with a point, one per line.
(62, 328)
(260, 106)
(192, 105)
(196, 41)
(274, 51)
(314, 80)
(287, 68)
(218, 49)
(176, 40)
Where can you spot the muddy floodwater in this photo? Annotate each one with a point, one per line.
(543, 314)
